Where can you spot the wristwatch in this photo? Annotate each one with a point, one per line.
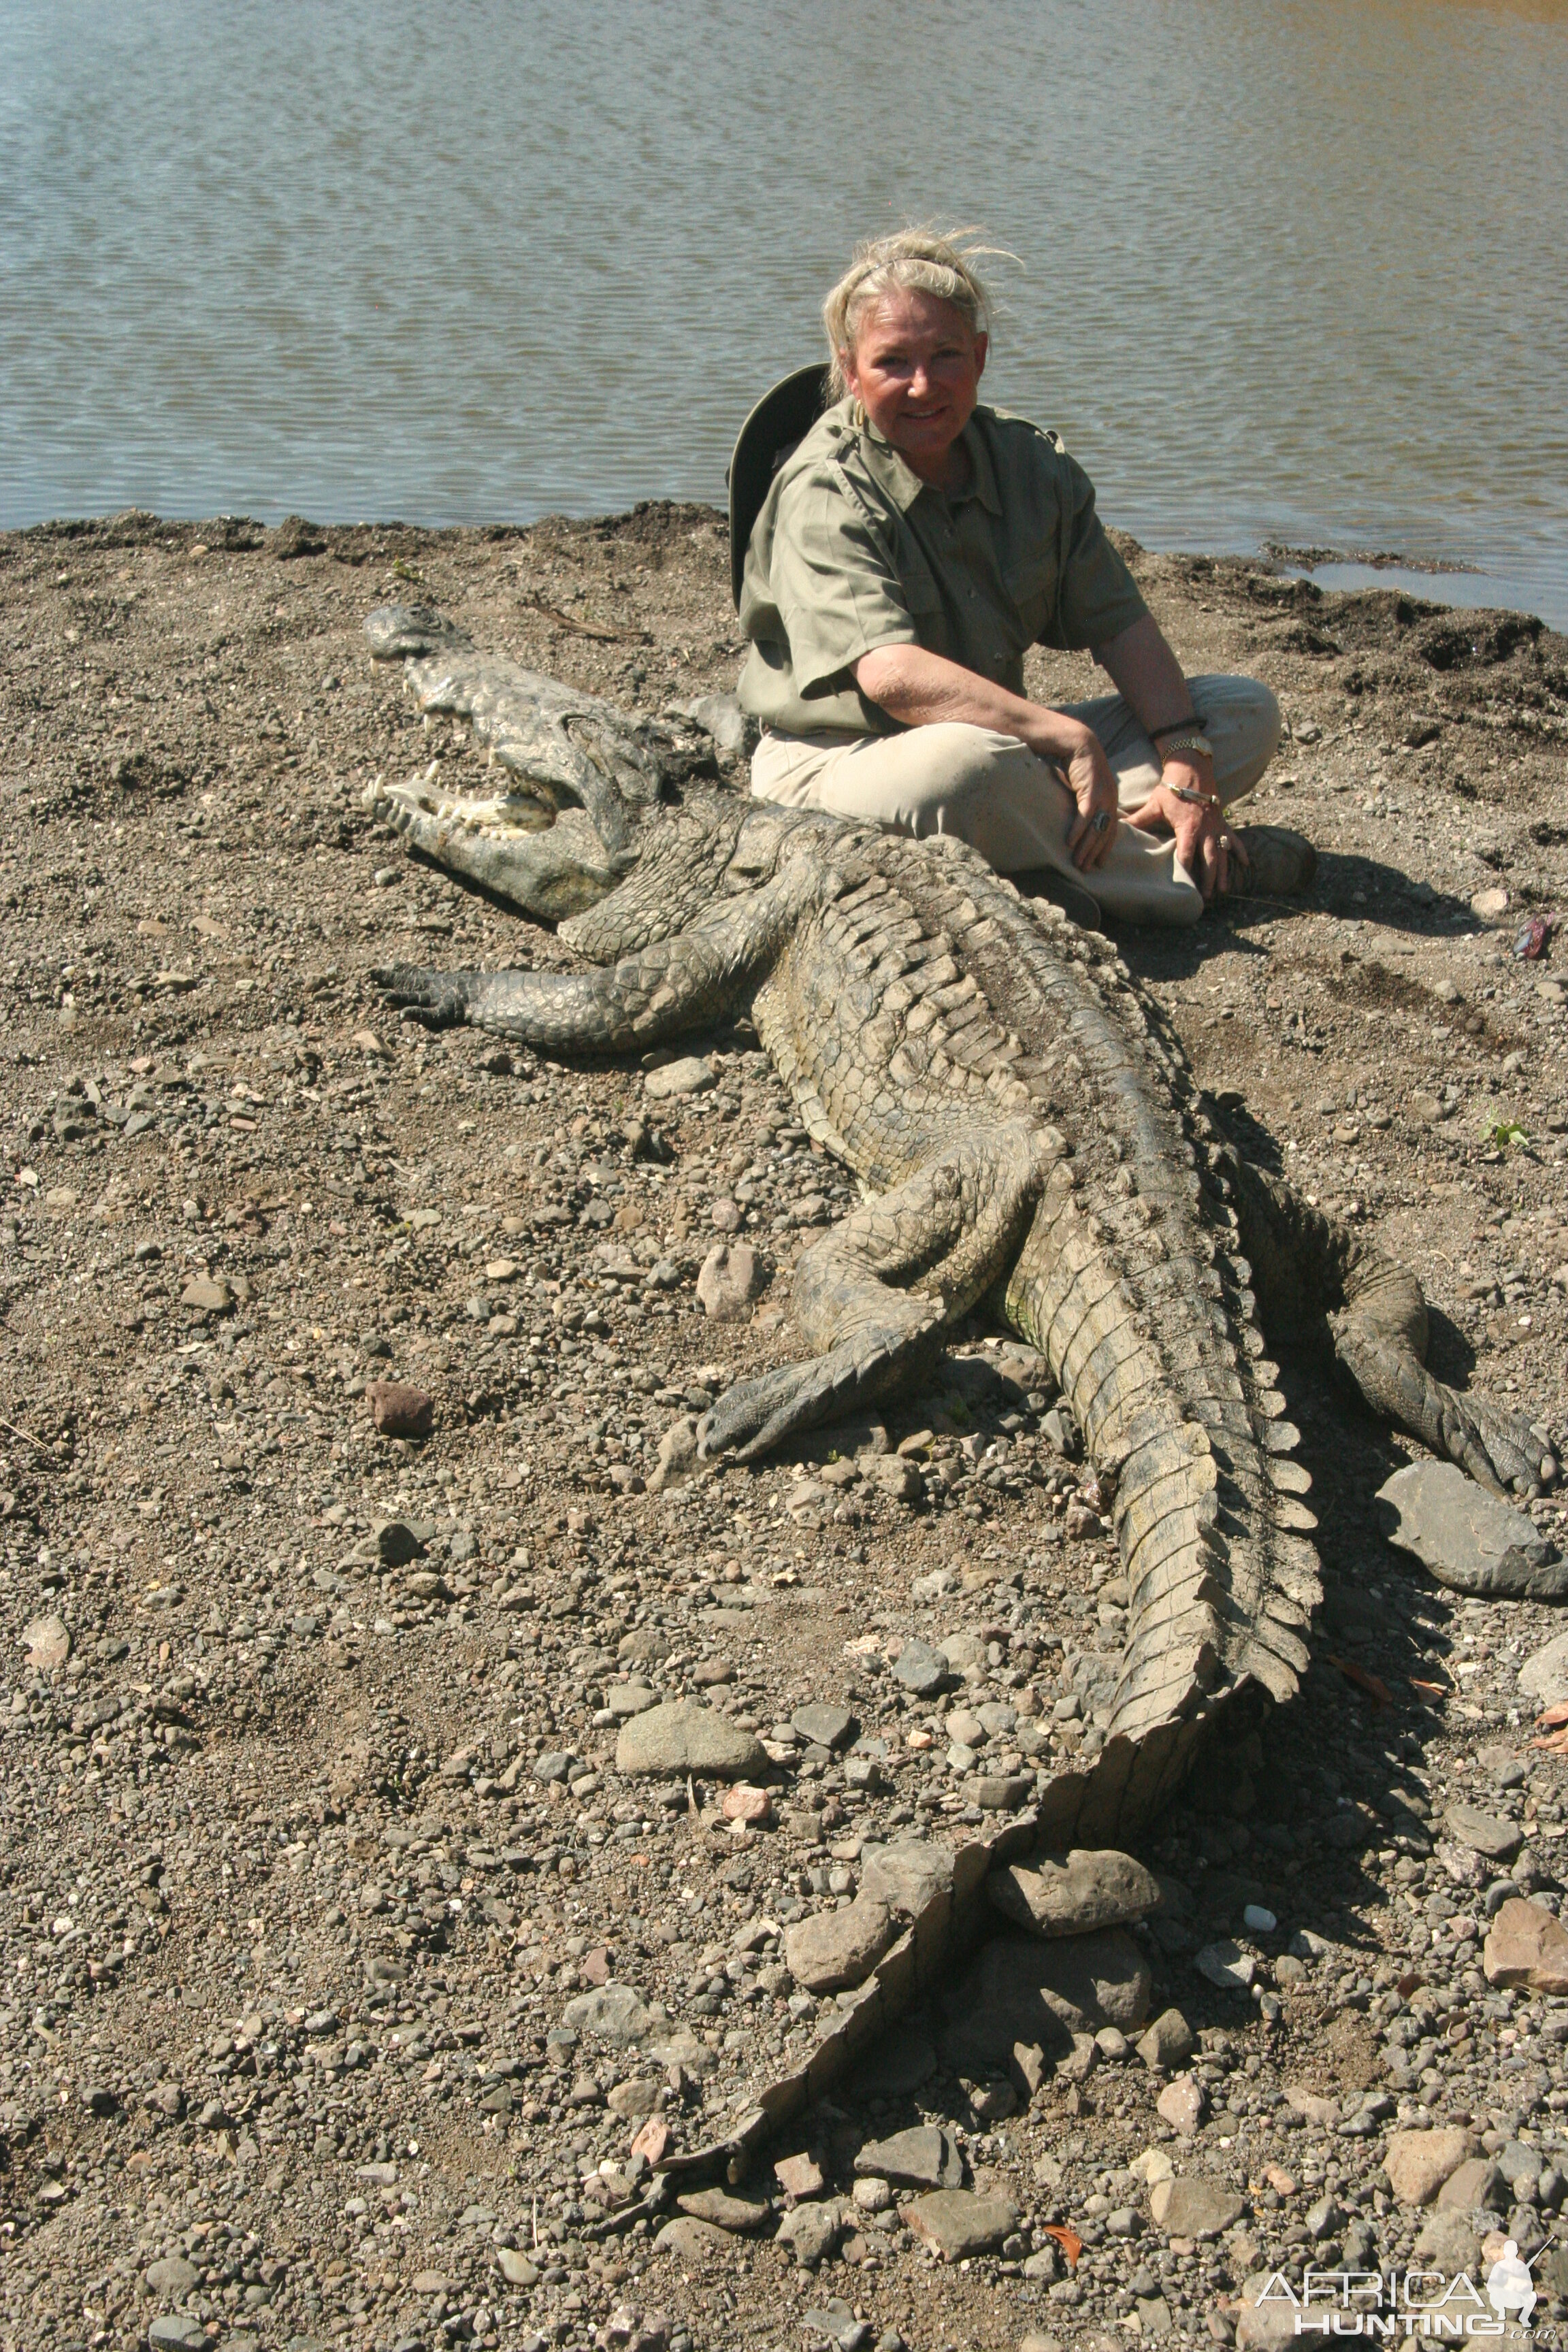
(1193, 742)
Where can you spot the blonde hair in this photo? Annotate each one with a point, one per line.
(940, 262)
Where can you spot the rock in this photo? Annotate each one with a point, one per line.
(799, 2176)
(47, 1642)
(1484, 1833)
(688, 1075)
(612, 2012)
(1473, 2186)
(691, 2241)
(899, 1480)
(174, 2335)
(833, 1949)
(1168, 2043)
(1312, 2107)
(872, 2194)
(516, 2268)
(1418, 2162)
(728, 1281)
(919, 1668)
(1544, 1673)
(682, 1736)
(959, 2223)
(396, 1543)
(922, 2157)
(1490, 906)
(400, 1410)
(1526, 1946)
(634, 2099)
(206, 1297)
(652, 2140)
(1469, 1540)
(725, 2212)
(812, 2232)
(1089, 1889)
(1226, 1965)
(1447, 2242)
(1000, 1792)
(1182, 2104)
(677, 1454)
(173, 2275)
(1043, 1992)
(824, 1726)
(1193, 2207)
(744, 1804)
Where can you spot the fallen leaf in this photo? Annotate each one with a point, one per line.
(1554, 1744)
(1378, 1692)
(1432, 1690)
(1068, 2240)
(1552, 1718)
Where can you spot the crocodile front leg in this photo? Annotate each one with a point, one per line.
(668, 988)
(878, 1294)
(1374, 1313)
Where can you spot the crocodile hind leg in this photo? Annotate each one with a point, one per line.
(1306, 1265)
(878, 1294)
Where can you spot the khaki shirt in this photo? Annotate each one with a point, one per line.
(852, 551)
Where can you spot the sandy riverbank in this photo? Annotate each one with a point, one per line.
(283, 1898)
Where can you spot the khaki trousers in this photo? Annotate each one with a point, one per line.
(1013, 806)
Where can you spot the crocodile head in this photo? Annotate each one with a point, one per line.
(578, 774)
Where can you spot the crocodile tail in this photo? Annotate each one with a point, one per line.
(1132, 1284)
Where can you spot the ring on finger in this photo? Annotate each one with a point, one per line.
(1099, 820)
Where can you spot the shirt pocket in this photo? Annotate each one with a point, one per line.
(1031, 584)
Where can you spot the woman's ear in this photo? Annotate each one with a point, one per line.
(982, 345)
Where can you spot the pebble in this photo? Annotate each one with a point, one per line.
(1490, 906)
(47, 1642)
(689, 1075)
(516, 2268)
(173, 2275)
(170, 2334)
(1183, 2105)
(1469, 1540)
(1418, 2162)
(1448, 2242)
(682, 1736)
(1090, 1889)
(207, 1296)
(834, 1950)
(921, 1669)
(1526, 1946)
(728, 1281)
(906, 1876)
(724, 2210)
(1224, 1964)
(399, 1411)
(921, 2158)
(691, 2241)
(1472, 2186)
(1544, 1673)
(1168, 2042)
(611, 2012)
(742, 1802)
(799, 2176)
(1194, 2207)
(822, 1725)
(958, 2224)
(1484, 1833)
(811, 2232)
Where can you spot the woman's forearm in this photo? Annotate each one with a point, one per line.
(925, 689)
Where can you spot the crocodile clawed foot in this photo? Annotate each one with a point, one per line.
(435, 999)
(1496, 1445)
(756, 1415)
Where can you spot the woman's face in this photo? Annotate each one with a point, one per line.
(916, 369)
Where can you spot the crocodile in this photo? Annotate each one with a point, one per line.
(1027, 1133)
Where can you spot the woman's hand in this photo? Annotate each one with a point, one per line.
(1206, 847)
(1093, 787)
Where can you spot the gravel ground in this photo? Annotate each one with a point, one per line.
(313, 1829)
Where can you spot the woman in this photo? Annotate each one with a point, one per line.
(911, 548)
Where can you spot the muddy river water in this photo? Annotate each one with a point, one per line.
(1293, 269)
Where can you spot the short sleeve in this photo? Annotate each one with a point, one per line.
(1098, 598)
(833, 581)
